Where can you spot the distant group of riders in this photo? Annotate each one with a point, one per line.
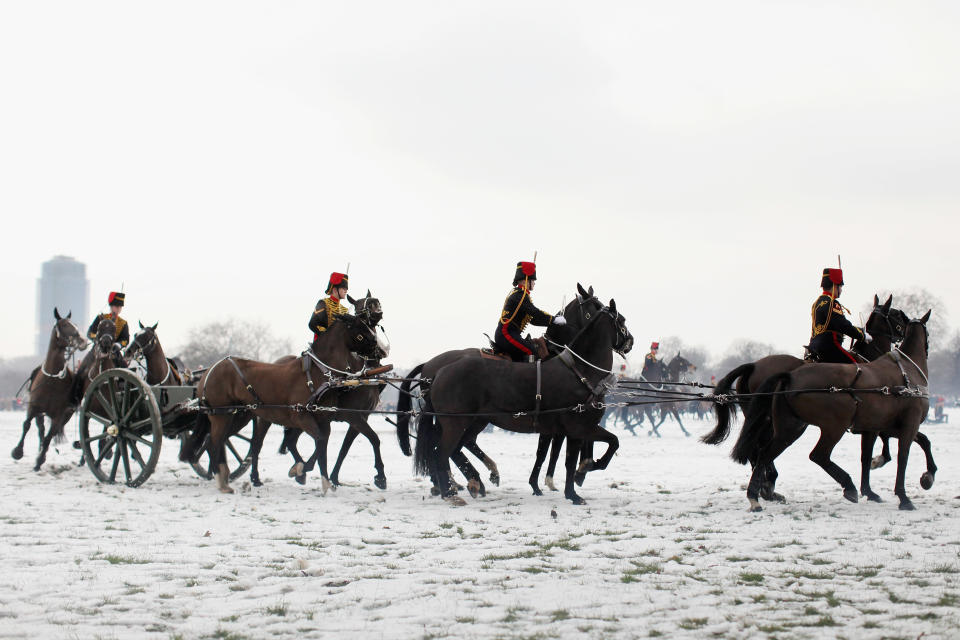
(514, 384)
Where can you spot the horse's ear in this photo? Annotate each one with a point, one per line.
(56, 313)
(140, 322)
(590, 291)
(351, 300)
(926, 316)
(154, 327)
(581, 292)
(69, 313)
(368, 293)
(613, 305)
(876, 300)
(886, 305)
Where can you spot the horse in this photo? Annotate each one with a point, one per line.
(586, 305)
(51, 385)
(674, 371)
(274, 392)
(887, 394)
(886, 325)
(358, 402)
(471, 392)
(160, 369)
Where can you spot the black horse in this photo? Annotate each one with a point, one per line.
(471, 392)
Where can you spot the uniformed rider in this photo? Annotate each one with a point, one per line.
(519, 311)
(329, 308)
(122, 331)
(651, 365)
(829, 322)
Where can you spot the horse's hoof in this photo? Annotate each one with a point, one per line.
(256, 483)
(76, 444)
(474, 488)
(296, 470)
(579, 478)
(495, 478)
(335, 481)
(301, 479)
(325, 485)
(851, 495)
(17, 453)
(380, 482)
(926, 480)
(906, 505)
(575, 499)
(755, 506)
(776, 497)
(226, 489)
(549, 482)
(434, 491)
(455, 501)
(878, 462)
(686, 433)
(872, 497)
(537, 491)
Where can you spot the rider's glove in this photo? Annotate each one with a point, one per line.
(559, 320)
(866, 338)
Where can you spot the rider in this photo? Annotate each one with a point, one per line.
(519, 311)
(122, 332)
(651, 366)
(830, 324)
(329, 308)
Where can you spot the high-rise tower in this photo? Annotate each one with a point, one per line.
(62, 284)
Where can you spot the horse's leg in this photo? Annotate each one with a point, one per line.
(260, 428)
(474, 484)
(676, 414)
(785, 435)
(44, 446)
(829, 437)
(543, 443)
(884, 456)
(219, 430)
(570, 464)
(321, 437)
(452, 433)
(769, 483)
(474, 448)
(903, 452)
(926, 479)
(299, 469)
(556, 442)
(17, 452)
(867, 440)
(348, 439)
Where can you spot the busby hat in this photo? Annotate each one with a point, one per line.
(654, 345)
(116, 298)
(831, 277)
(337, 280)
(525, 271)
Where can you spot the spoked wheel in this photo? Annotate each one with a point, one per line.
(239, 454)
(120, 427)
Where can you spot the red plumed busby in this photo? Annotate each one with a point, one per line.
(654, 345)
(116, 299)
(525, 271)
(337, 280)
(831, 277)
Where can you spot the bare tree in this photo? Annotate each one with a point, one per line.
(741, 352)
(945, 367)
(211, 342)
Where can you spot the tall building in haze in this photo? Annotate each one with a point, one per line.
(62, 284)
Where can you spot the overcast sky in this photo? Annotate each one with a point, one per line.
(700, 162)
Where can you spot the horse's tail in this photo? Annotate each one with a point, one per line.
(29, 380)
(404, 402)
(191, 445)
(757, 418)
(428, 438)
(725, 409)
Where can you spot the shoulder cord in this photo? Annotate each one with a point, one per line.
(519, 304)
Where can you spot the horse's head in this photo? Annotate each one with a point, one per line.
(106, 335)
(623, 339)
(66, 334)
(144, 342)
(357, 336)
(367, 309)
(577, 313)
(885, 322)
(917, 331)
(679, 367)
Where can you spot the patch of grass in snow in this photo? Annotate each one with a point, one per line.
(811, 575)
(867, 572)
(751, 578)
(512, 614)
(824, 621)
(871, 624)
(493, 557)
(559, 614)
(278, 609)
(446, 525)
(166, 596)
(920, 582)
(118, 559)
(654, 633)
(692, 623)
(948, 600)
(780, 545)
(738, 559)
(238, 587)
(831, 599)
(465, 620)
(223, 634)
(533, 570)
(894, 598)
(820, 561)
(945, 568)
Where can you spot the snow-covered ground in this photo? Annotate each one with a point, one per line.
(665, 547)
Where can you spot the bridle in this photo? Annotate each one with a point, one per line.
(69, 345)
(894, 333)
(137, 350)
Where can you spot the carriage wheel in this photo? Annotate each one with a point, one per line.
(120, 427)
(239, 454)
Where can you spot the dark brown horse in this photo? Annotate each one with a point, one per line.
(886, 395)
(50, 386)
(274, 391)
(160, 370)
(472, 392)
(357, 403)
(886, 325)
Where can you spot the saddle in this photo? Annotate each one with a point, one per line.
(490, 354)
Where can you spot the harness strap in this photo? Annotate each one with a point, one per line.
(536, 411)
(243, 379)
